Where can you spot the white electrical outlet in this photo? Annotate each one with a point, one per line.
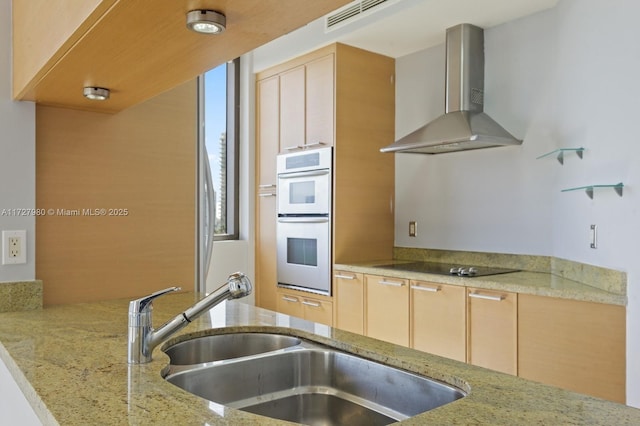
(14, 247)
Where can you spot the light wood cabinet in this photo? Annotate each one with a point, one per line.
(492, 329)
(292, 109)
(289, 304)
(438, 319)
(268, 134)
(319, 101)
(105, 43)
(307, 105)
(300, 305)
(387, 309)
(317, 310)
(575, 345)
(341, 96)
(349, 301)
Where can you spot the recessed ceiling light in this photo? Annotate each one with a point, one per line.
(206, 21)
(96, 93)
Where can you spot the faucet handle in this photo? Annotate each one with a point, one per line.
(143, 304)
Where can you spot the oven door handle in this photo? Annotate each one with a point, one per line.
(320, 172)
(303, 219)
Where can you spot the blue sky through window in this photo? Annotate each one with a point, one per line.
(215, 120)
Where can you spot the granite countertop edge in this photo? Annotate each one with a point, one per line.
(522, 282)
(70, 362)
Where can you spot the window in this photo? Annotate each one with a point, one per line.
(220, 106)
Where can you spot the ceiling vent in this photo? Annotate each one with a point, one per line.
(351, 13)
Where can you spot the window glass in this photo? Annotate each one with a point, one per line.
(221, 145)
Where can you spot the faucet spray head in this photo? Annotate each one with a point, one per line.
(239, 285)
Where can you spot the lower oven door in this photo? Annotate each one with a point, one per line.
(303, 252)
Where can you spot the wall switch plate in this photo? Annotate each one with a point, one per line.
(413, 228)
(14, 247)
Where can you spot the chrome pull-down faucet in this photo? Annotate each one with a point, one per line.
(143, 338)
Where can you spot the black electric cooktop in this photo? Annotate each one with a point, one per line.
(447, 269)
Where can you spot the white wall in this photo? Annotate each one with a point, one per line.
(566, 77)
(14, 406)
(17, 156)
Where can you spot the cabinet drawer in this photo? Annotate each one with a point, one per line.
(290, 305)
(309, 308)
(319, 311)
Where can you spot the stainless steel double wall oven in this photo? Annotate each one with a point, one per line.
(304, 220)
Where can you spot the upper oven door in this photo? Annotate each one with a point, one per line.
(304, 182)
(304, 192)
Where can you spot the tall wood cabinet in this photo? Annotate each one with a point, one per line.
(338, 96)
(268, 136)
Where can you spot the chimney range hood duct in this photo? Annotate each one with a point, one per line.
(463, 126)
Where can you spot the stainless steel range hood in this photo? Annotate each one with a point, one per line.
(463, 126)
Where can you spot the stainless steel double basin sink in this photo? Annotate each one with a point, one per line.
(298, 380)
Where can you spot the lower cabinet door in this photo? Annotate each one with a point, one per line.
(319, 311)
(387, 309)
(493, 329)
(290, 304)
(349, 301)
(573, 344)
(439, 319)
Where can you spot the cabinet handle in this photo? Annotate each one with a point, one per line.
(345, 277)
(267, 185)
(430, 289)
(487, 297)
(289, 299)
(314, 304)
(309, 145)
(391, 283)
(267, 194)
(292, 175)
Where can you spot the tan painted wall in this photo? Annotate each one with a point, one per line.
(142, 159)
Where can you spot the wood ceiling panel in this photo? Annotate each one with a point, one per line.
(141, 48)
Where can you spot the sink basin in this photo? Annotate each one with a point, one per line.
(227, 346)
(315, 385)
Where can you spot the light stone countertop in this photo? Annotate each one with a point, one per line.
(524, 282)
(70, 361)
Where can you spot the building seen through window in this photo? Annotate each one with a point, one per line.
(220, 107)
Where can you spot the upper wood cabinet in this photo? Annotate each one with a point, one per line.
(307, 105)
(319, 101)
(138, 49)
(267, 132)
(292, 109)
